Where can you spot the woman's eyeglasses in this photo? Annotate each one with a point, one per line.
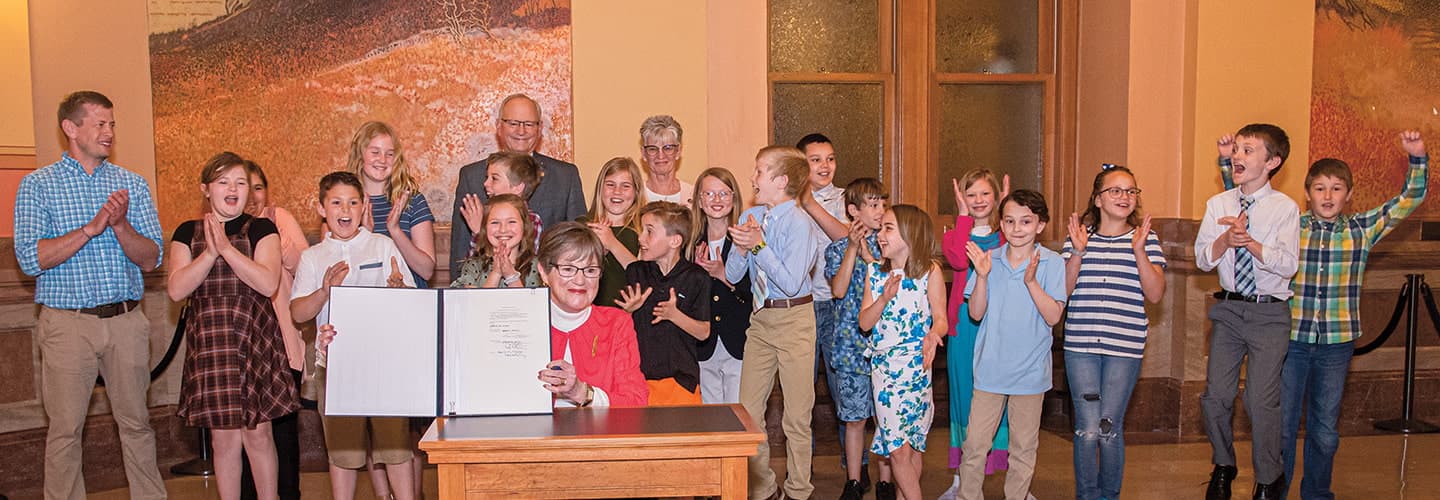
(568, 271)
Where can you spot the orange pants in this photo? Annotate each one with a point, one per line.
(666, 392)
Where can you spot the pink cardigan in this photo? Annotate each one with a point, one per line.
(953, 246)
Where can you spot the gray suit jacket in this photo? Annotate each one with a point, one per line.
(558, 198)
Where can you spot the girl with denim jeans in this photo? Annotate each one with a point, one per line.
(1113, 264)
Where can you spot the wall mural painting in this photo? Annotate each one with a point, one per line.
(1377, 72)
(286, 83)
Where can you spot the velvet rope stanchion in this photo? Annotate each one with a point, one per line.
(1400, 306)
(1410, 295)
(201, 465)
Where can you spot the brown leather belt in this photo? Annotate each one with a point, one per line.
(109, 310)
(787, 303)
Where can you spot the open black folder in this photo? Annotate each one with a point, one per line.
(410, 352)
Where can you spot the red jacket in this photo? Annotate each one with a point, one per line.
(605, 355)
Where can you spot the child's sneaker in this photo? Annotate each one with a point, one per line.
(954, 490)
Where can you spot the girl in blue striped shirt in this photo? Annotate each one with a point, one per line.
(1113, 264)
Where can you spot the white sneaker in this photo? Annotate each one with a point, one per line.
(954, 490)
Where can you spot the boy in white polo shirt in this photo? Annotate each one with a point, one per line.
(352, 255)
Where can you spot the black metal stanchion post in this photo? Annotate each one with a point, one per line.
(200, 466)
(1407, 423)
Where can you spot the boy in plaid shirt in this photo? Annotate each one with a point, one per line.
(1326, 309)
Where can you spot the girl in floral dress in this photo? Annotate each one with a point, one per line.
(902, 292)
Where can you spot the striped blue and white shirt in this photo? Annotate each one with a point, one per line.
(62, 197)
(417, 211)
(1106, 312)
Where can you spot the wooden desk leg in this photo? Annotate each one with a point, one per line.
(452, 481)
(733, 476)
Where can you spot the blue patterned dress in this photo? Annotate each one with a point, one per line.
(903, 404)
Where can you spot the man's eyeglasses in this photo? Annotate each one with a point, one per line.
(527, 125)
(568, 271)
(1116, 192)
(717, 195)
(669, 149)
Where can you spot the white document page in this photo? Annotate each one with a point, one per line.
(495, 342)
(383, 360)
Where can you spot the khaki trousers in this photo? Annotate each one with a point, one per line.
(74, 348)
(986, 408)
(781, 342)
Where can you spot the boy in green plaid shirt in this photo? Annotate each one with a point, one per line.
(1334, 247)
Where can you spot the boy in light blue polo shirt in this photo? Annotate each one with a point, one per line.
(1018, 295)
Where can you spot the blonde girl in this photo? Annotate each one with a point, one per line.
(377, 158)
(715, 206)
(615, 218)
(977, 194)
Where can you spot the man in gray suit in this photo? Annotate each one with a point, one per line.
(558, 197)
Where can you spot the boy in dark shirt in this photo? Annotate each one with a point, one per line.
(666, 294)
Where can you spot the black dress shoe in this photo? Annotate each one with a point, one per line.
(852, 491)
(884, 490)
(1270, 491)
(1220, 480)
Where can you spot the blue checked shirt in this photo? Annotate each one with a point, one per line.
(62, 197)
(1326, 307)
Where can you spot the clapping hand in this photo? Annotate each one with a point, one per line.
(215, 239)
(891, 286)
(667, 310)
(335, 274)
(392, 222)
(858, 233)
(119, 205)
(631, 297)
(1034, 266)
(714, 267)
(473, 211)
(1079, 235)
(367, 217)
(1142, 234)
(960, 207)
(979, 259)
(502, 263)
(1238, 235)
(747, 235)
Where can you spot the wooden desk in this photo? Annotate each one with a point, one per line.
(596, 453)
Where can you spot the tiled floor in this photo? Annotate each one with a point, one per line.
(1367, 467)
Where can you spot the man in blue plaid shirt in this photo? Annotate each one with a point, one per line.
(86, 229)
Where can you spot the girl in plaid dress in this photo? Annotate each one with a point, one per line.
(236, 378)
